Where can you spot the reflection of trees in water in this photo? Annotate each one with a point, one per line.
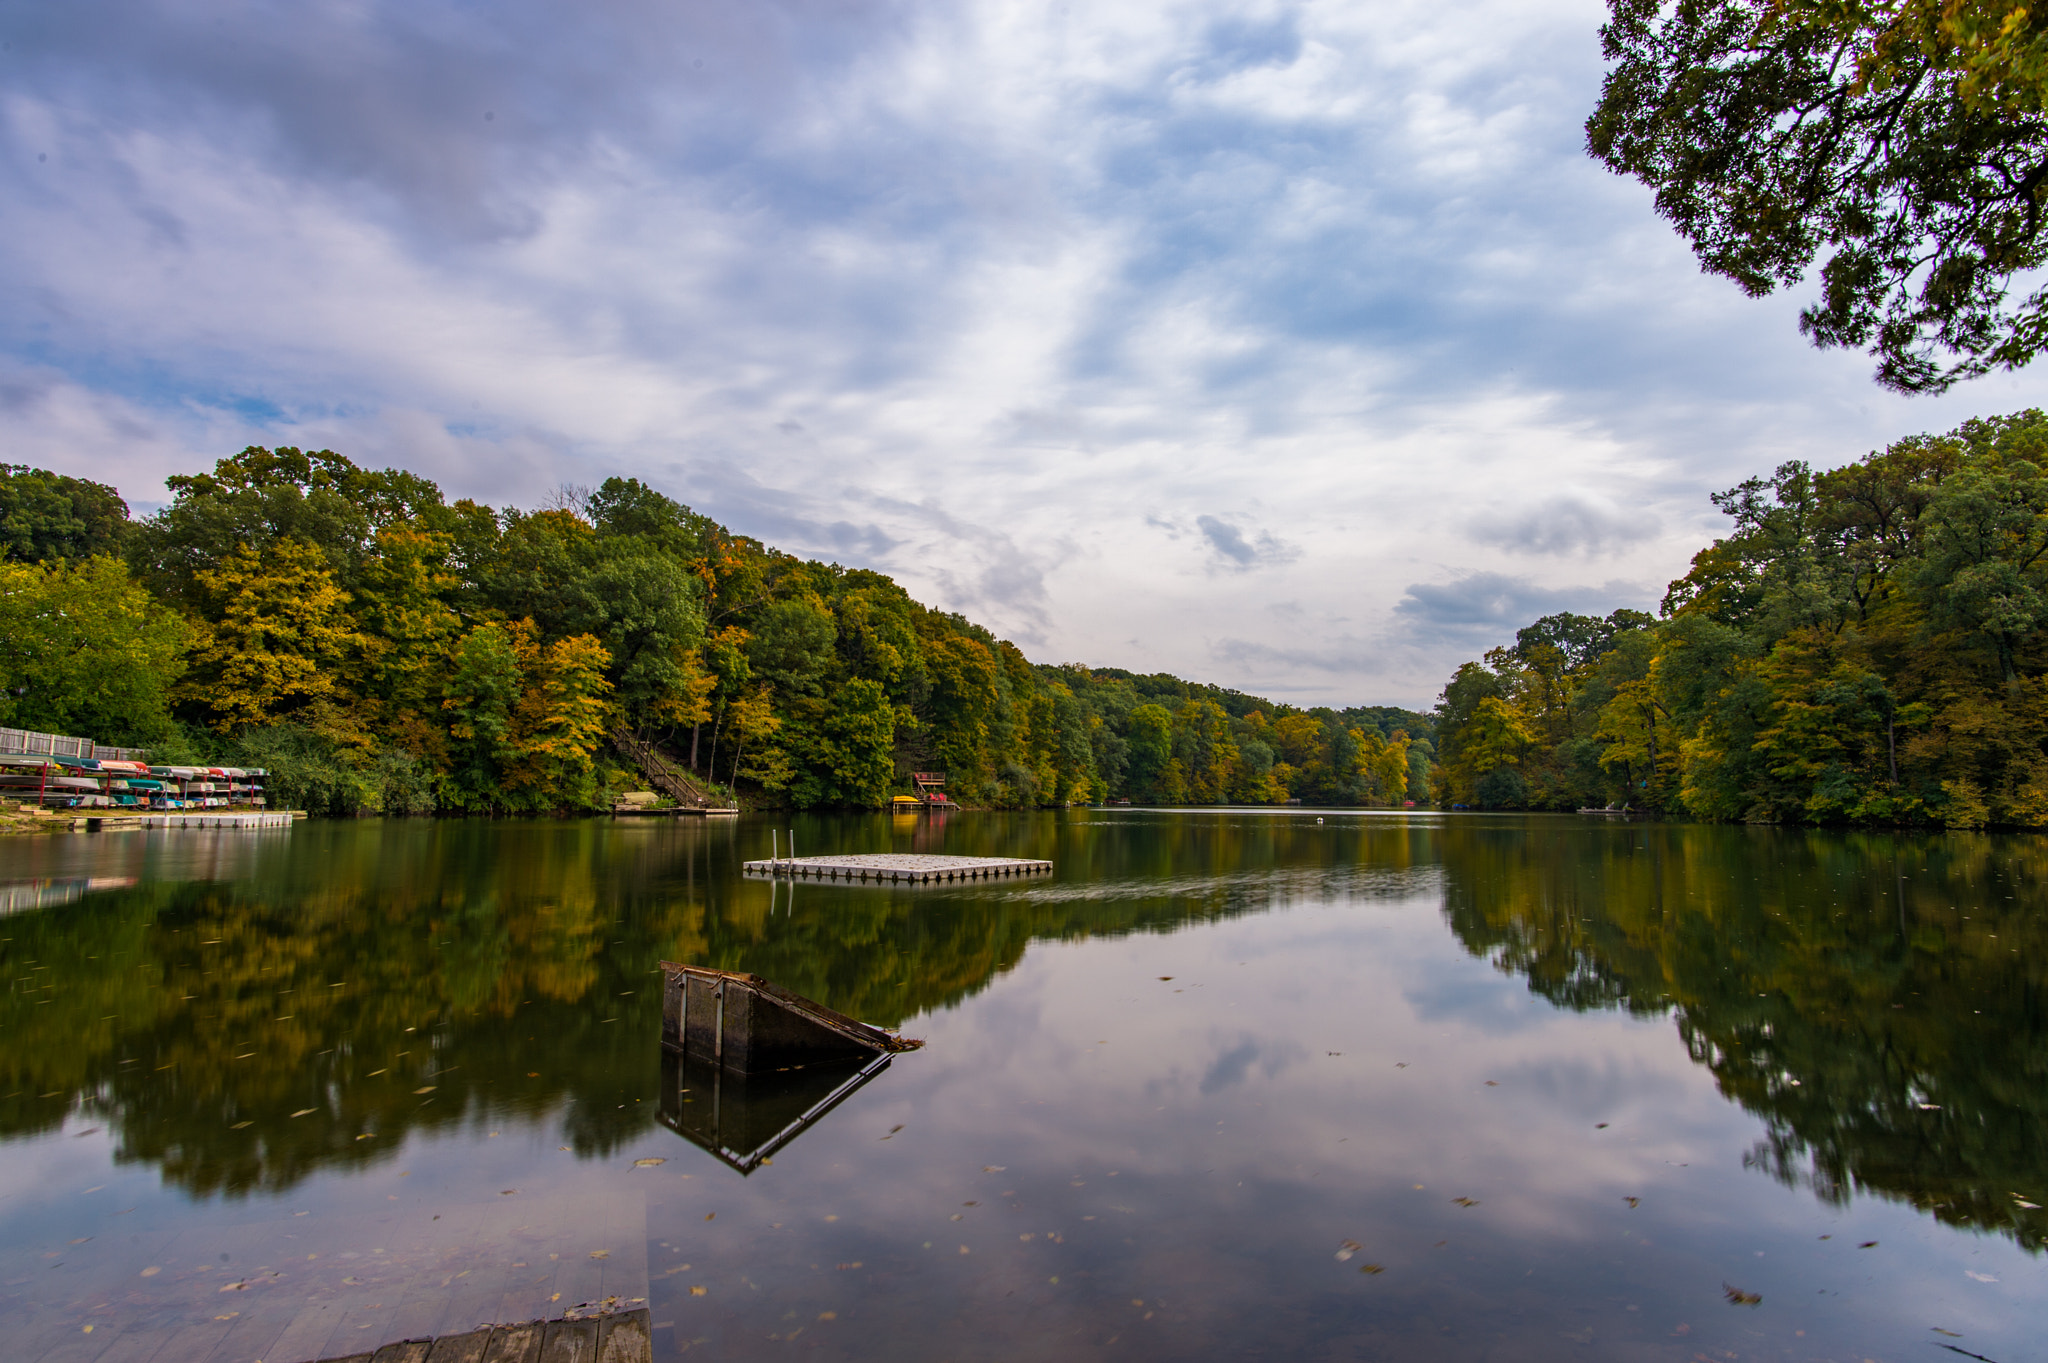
(1878, 1000)
(350, 965)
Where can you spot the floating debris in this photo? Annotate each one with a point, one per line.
(1737, 1297)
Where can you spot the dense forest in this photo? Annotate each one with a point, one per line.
(380, 649)
(1863, 646)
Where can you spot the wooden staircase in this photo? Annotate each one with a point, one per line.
(662, 773)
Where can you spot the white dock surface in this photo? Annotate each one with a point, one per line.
(893, 866)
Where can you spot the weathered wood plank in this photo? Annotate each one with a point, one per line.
(467, 1348)
(515, 1343)
(406, 1351)
(569, 1341)
(626, 1338)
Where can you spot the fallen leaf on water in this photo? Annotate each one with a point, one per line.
(1632, 1201)
(239, 1125)
(1980, 1277)
(1868, 1244)
(709, 1215)
(1347, 1248)
(87, 1132)
(1466, 1201)
(86, 1330)
(963, 1249)
(1950, 1333)
(600, 1254)
(556, 1297)
(352, 1282)
(994, 1168)
(2029, 1206)
(1738, 1297)
(854, 1264)
(956, 1216)
(699, 1291)
(81, 1239)
(1166, 977)
(533, 1074)
(1599, 1126)
(1400, 1064)
(506, 1192)
(236, 1287)
(828, 1315)
(426, 1089)
(1372, 1268)
(229, 1316)
(150, 1272)
(893, 1130)
(304, 1110)
(649, 1163)
(1493, 1083)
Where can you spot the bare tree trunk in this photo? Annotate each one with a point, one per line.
(694, 728)
(711, 762)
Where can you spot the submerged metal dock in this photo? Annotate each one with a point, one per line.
(893, 866)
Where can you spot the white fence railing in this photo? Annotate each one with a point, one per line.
(60, 745)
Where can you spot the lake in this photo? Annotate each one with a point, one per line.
(1308, 1084)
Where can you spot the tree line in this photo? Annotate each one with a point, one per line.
(381, 649)
(1863, 646)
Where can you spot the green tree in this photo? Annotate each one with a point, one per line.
(482, 692)
(85, 650)
(46, 515)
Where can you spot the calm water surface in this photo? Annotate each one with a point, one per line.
(1229, 1084)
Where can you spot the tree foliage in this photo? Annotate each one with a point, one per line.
(1905, 141)
(1866, 645)
(383, 649)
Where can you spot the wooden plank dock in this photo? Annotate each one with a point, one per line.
(903, 868)
(623, 1338)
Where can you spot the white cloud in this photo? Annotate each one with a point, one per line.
(979, 295)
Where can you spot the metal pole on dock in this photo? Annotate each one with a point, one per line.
(772, 857)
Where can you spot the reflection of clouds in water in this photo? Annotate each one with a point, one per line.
(1267, 1058)
(1211, 1139)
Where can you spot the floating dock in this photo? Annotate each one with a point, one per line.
(267, 818)
(892, 866)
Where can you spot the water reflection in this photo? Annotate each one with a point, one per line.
(744, 1119)
(242, 1016)
(1880, 1001)
(245, 1014)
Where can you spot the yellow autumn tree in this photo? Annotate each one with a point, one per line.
(282, 637)
(560, 722)
(410, 629)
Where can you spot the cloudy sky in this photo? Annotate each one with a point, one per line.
(1297, 348)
